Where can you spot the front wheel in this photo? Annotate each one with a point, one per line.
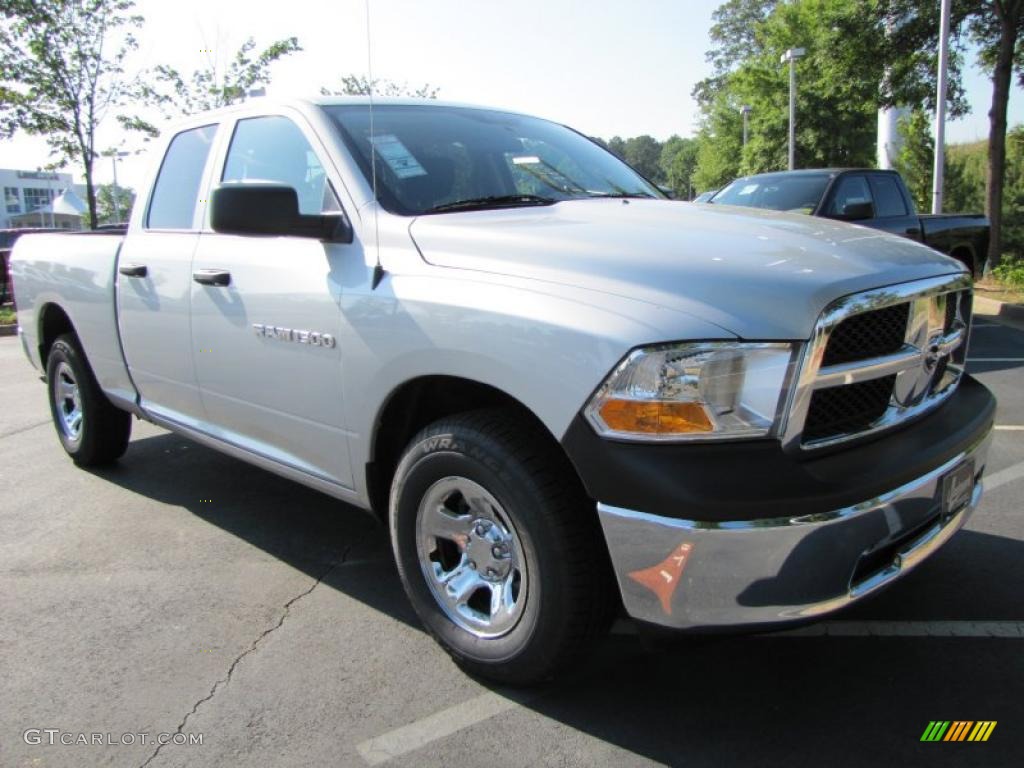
(498, 547)
(91, 430)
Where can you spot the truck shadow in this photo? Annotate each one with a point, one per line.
(324, 538)
(769, 700)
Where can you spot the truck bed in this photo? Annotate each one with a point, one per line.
(73, 274)
(961, 235)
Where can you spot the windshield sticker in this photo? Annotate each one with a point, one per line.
(749, 189)
(526, 160)
(399, 159)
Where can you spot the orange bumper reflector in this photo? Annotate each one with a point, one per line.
(655, 418)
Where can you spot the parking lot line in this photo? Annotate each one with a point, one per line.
(1009, 427)
(418, 734)
(1012, 629)
(1004, 476)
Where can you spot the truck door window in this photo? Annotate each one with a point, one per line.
(173, 203)
(273, 149)
(888, 198)
(850, 191)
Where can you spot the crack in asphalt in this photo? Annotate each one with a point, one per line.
(19, 430)
(223, 682)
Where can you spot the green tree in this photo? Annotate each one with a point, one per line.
(966, 172)
(617, 146)
(859, 57)
(916, 158)
(678, 162)
(720, 146)
(735, 32)
(997, 26)
(212, 85)
(62, 74)
(360, 85)
(965, 176)
(114, 205)
(1013, 198)
(644, 154)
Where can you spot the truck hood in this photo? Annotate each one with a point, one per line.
(758, 274)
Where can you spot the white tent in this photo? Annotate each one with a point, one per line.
(66, 212)
(68, 203)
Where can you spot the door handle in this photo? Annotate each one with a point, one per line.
(212, 277)
(133, 270)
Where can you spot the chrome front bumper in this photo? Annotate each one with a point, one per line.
(689, 574)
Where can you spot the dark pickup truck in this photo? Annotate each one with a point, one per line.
(873, 198)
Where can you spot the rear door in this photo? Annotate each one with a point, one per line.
(893, 211)
(267, 356)
(155, 282)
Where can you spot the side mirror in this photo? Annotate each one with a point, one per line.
(858, 211)
(271, 209)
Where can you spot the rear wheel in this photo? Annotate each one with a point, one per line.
(498, 547)
(91, 430)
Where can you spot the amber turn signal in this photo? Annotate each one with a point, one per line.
(655, 418)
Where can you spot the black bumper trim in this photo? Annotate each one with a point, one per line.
(750, 480)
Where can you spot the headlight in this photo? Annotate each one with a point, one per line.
(708, 390)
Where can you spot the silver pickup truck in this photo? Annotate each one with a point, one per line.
(565, 394)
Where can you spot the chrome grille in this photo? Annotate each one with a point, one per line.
(878, 359)
(848, 409)
(868, 334)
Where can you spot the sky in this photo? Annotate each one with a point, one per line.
(605, 68)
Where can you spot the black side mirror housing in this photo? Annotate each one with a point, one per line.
(271, 209)
(858, 211)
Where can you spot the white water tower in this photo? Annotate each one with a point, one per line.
(889, 139)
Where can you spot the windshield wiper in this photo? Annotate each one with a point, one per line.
(622, 194)
(492, 201)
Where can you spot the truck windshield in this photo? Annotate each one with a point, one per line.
(436, 159)
(800, 192)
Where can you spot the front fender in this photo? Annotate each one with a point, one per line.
(532, 341)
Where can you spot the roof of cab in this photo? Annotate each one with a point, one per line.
(259, 103)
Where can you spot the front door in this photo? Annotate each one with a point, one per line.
(887, 209)
(267, 354)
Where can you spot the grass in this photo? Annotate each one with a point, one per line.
(7, 316)
(990, 289)
(1005, 283)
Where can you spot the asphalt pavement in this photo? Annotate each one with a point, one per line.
(185, 593)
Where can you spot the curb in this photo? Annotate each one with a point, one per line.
(998, 308)
(9, 330)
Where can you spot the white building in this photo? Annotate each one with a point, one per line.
(33, 192)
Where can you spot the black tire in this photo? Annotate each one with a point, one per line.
(568, 603)
(102, 436)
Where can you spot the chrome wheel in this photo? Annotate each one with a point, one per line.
(471, 557)
(68, 400)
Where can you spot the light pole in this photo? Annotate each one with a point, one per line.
(940, 111)
(791, 56)
(745, 111)
(114, 157)
(40, 173)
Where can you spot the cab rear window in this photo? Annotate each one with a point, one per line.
(173, 204)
